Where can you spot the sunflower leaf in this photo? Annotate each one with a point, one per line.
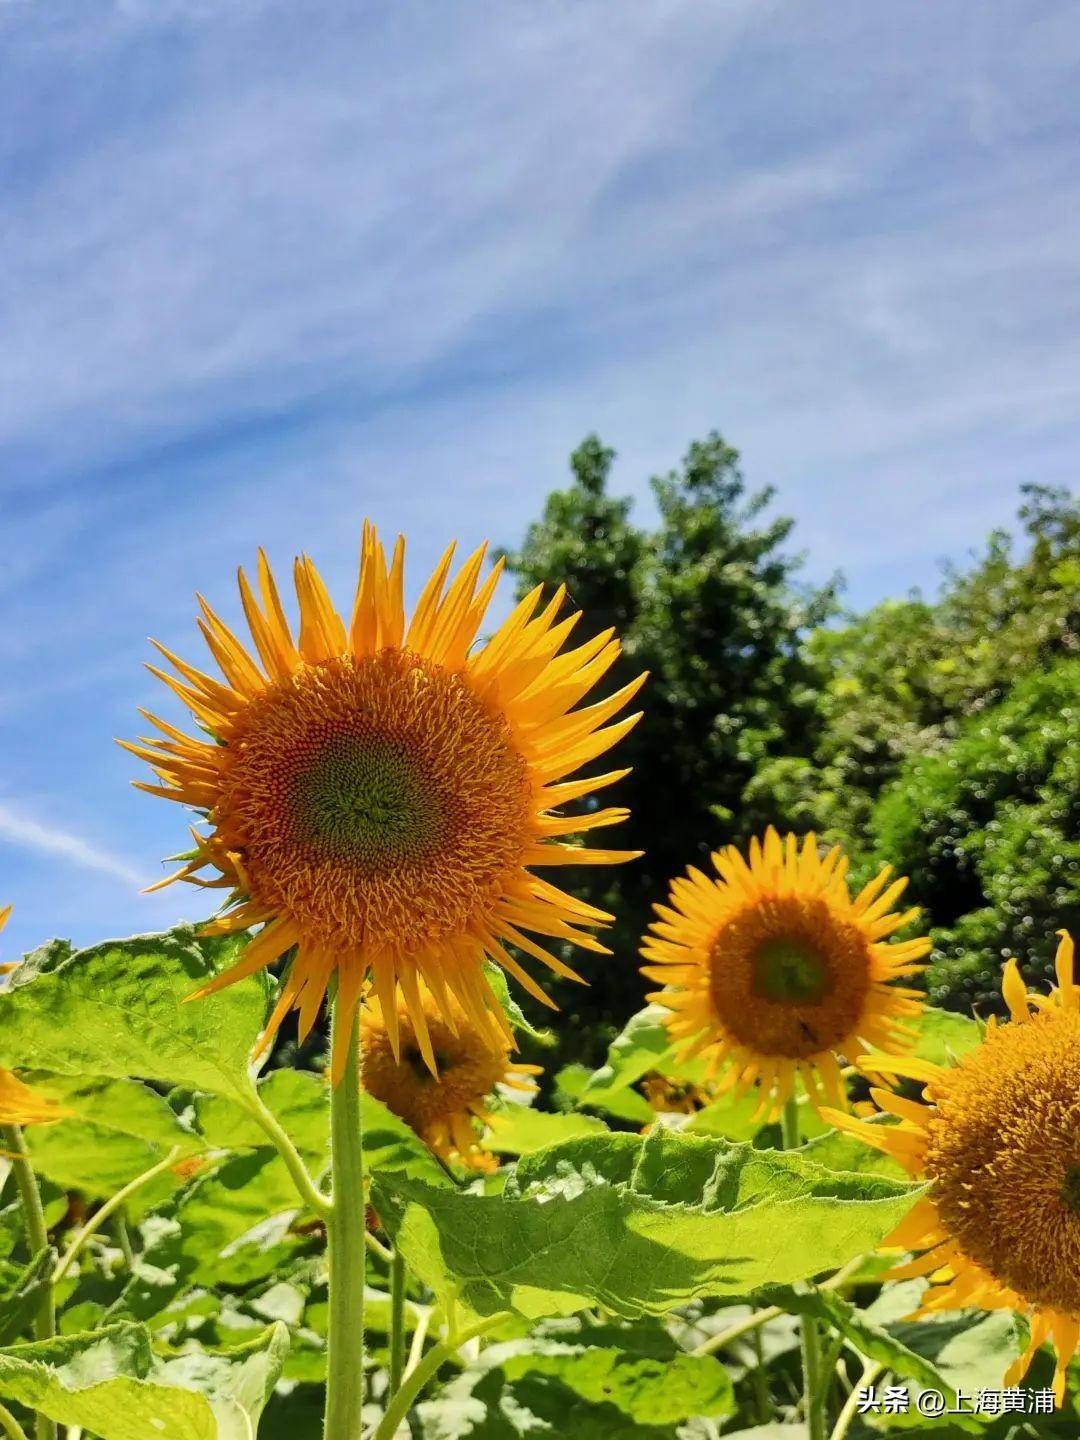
(638, 1225)
(496, 978)
(521, 1129)
(540, 1385)
(118, 1010)
(118, 1129)
(643, 1045)
(112, 1384)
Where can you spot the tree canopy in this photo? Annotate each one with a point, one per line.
(932, 733)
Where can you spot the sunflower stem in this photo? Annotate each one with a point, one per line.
(427, 1368)
(37, 1239)
(871, 1371)
(10, 1426)
(123, 1238)
(298, 1171)
(345, 1229)
(761, 1380)
(810, 1340)
(397, 1324)
(736, 1331)
(110, 1207)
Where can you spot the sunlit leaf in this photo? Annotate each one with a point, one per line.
(637, 1225)
(114, 1386)
(521, 1129)
(119, 1010)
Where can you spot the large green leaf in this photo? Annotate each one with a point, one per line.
(118, 1129)
(491, 1405)
(651, 1389)
(644, 1045)
(637, 1225)
(967, 1352)
(114, 1386)
(126, 1107)
(119, 1010)
(231, 1226)
(521, 1129)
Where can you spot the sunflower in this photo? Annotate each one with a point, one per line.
(773, 970)
(997, 1134)
(673, 1097)
(19, 1104)
(378, 793)
(442, 1108)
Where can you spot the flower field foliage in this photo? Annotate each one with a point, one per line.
(331, 1165)
(603, 1261)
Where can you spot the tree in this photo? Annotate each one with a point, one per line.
(901, 680)
(989, 829)
(706, 602)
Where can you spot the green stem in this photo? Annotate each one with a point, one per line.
(416, 1349)
(345, 1230)
(761, 1380)
(810, 1340)
(377, 1248)
(37, 1238)
(871, 1370)
(10, 1426)
(123, 1238)
(298, 1171)
(738, 1330)
(397, 1324)
(114, 1203)
(771, 1312)
(418, 1377)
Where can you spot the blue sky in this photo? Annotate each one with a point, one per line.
(270, 267)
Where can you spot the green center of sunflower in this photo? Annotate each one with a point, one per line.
(1070, 1189)
(789, 971)
(365, 801)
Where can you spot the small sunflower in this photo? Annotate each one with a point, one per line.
(19, 1104)
(442, 1108)
(998, 1136)
(773, 970)
(378, 792)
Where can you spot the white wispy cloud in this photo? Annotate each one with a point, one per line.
(22, 830)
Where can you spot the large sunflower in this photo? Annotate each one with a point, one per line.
(19, 1104)
(378, 792)
(773, 970)
(443, 1109)
(998, 1136)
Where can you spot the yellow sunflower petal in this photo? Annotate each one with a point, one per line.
(379, 793)
(774, 956)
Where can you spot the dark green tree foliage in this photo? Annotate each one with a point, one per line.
(706, 603)
(901, 680)
(989, 830)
